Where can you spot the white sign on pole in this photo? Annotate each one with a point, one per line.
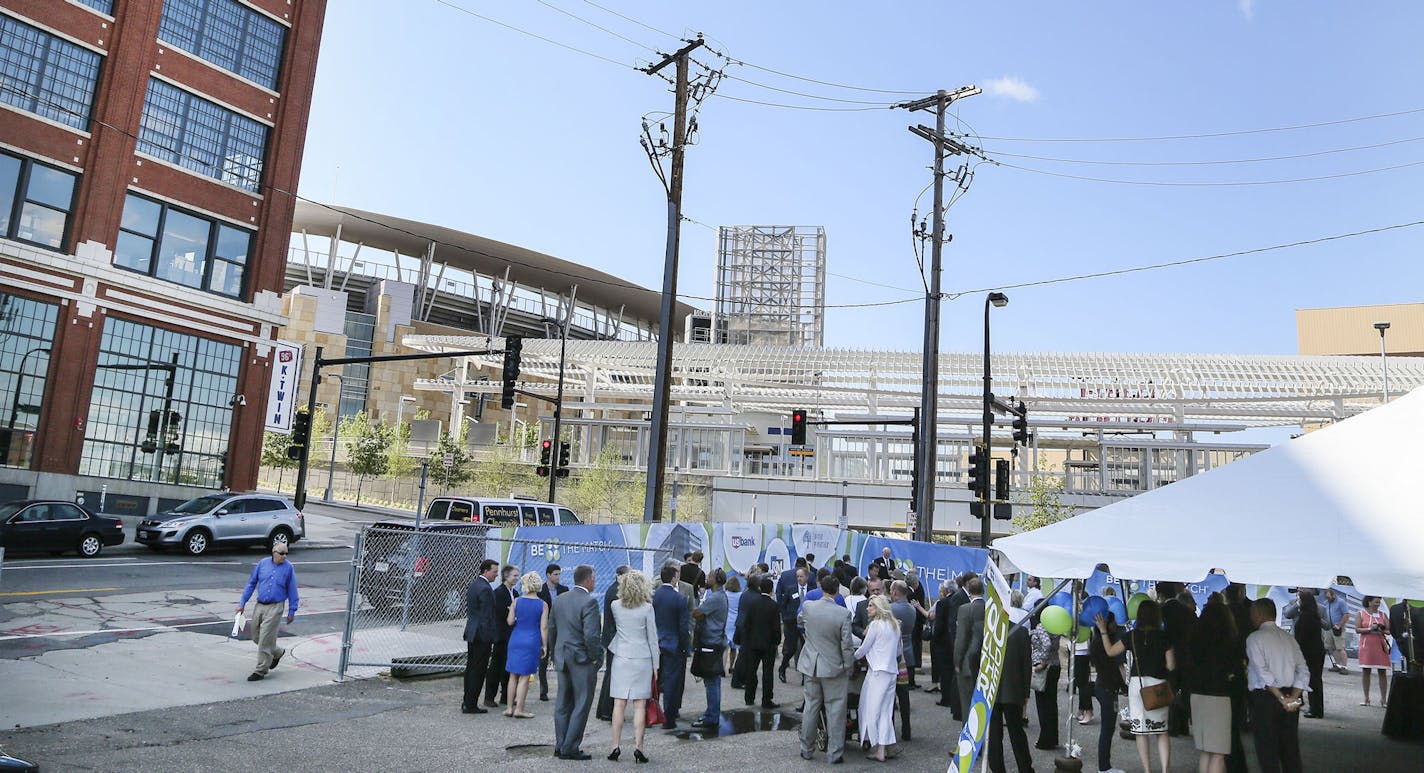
(282, 391)
(449, 461)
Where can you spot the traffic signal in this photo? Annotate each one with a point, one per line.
(915, 484)
(1001, 480)
(798, 427)
(301, 435)
(979, 472)
(171, 430)
(546, 451)
(1021, 424)
(564, 453)
(513, 352)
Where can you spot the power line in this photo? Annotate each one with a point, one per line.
(998, 153)
(550, 41)
(1189, 261)
(631, 19)
(800, 107)
(575, 16)
(1215, 184)
(1211, 134)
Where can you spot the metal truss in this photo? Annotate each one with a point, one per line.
(1068, 389)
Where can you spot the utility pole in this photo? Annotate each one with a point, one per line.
(927, 451)
(662, 385)
(559, 398)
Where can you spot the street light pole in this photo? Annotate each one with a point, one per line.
(999, 300)
(1384, 362)
(335, 429)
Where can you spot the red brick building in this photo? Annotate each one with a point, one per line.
(149, 152)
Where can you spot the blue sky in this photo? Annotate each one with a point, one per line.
(439, 116)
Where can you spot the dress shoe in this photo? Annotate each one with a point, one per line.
(578, 756)
(255, 677)
(558, 755)
(705, 723)
(473, 710)
(806, 755)
(782, 675)
(670, 725)
(613, 755)
(1045, 747)
(605, 717)
(491, 704)
(277, 658)
(544, 698)
(1314, 716)
(770, 705)
(639, 756)
(943, 703)
(838, 760)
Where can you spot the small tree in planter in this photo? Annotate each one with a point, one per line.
(367, 451)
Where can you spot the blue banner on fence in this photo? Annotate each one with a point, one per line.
(933, 562)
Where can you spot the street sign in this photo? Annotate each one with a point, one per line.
(800, 451)
(449, 461)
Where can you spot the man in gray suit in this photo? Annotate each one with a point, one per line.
(576, 641)
(969, 641)
(827, 654)
(480, 635)
(905, 613)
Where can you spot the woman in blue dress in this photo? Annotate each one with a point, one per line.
(529, 623)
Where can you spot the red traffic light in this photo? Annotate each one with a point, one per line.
(546, 445)
(798, 416)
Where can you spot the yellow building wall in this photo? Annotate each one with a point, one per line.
(1350, 330)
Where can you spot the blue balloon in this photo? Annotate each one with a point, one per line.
(1062, 599)
(1094, 606)
(1118, 610)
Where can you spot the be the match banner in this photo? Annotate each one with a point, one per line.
(991, 667)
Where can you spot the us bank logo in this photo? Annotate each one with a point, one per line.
(739, 542)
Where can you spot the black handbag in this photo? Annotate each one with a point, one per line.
(707, 662)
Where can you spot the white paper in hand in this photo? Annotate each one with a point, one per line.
(238, 623)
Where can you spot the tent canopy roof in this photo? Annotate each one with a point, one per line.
(1344, 500)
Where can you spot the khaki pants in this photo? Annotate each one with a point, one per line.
(265, 619)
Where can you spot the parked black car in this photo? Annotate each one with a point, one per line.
(56, 526)
(439, 560)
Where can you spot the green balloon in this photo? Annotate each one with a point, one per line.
(1416, 602)
(1133, 602)
(1056, 620)
(1084, 633)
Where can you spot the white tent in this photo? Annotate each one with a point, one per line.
(1345, 500)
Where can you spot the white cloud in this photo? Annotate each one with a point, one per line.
(1011, 87)
(1248, 8)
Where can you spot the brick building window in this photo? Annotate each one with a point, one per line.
(35, 201)
(26, 334)
(228, 34)
(169, 243)
(102, 6)
(144, 372)
(46, 75)
(200, 135)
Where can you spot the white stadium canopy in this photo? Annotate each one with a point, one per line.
(1345, 500)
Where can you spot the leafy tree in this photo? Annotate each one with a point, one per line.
(1044, 503)
(399, 462)
(458, 471)
(367, 452)
(605, 489)
(500, 471)
(274, 454)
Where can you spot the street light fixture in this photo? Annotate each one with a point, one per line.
(995, 300)
(1384, 363)
(400, 410)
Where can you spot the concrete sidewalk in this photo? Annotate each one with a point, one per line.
(382, 724)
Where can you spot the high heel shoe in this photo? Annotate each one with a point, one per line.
(639, 756)
(613, 755)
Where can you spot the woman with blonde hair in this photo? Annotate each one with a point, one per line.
(528, 638)
(635, 658)
(881, 651)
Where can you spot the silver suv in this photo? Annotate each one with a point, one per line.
(224, 519)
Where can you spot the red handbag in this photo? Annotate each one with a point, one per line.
(655, 708)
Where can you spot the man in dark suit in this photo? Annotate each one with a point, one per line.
(957, 600)
(917, 638)
(758, 633)
(610, 627)
(884, 564)
(505, 593)
(1009, 705)
(480, 635)
(576, 640)
(672, 616)
(969, 641)
(691, 571)
(789, 597)
(497, 683)
(860, 616)
(1177, 624)
(551, 591)
(942, 647)
(1406, 623)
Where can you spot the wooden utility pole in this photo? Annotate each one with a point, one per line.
(662, 386)
(927, 452)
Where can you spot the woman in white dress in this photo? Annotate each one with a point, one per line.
(881, 651)
(635, 657)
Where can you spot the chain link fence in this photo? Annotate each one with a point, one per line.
(405, 608)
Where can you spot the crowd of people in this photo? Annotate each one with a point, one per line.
(855, 644)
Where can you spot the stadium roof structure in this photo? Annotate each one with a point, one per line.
(483, 256)
(1223, 391)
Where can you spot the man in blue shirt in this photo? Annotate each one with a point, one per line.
(275, 583)
(1336, 614)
